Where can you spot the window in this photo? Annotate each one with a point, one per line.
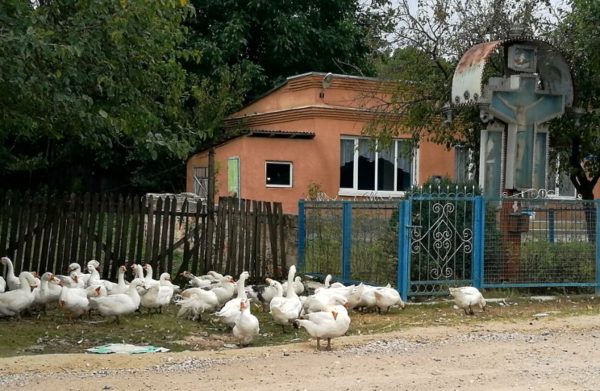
(278, 174)
(463, 164)
(366, 167)
(200, 181)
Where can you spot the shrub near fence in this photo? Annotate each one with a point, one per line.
(171, 233)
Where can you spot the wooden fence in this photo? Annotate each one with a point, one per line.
(173, 235)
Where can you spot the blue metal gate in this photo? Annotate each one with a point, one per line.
(443, 242)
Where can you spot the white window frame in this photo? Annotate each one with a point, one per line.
(290, 165)
(355, 192)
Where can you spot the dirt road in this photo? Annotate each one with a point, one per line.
(543, 353)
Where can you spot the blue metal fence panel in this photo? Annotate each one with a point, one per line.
(426, 243)
(540, 242)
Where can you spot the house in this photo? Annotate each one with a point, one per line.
(306, 135)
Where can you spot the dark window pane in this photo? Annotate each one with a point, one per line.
(385, 169)
(278, 174)
(404, 169)
(346, 164)
(366, 165)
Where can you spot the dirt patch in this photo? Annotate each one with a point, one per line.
(540, 352)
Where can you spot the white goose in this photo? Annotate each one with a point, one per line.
(265, 294)
(149, 281)
(298, 286)
(94, 279)
(15, 301)
(246, 325)
(121, 303)
(48, 291)
(466, 297)
(138, 270)
(76, 268)
(122, 285)
(286, 309)
(331, 323)
(224, 289)
(231, 310)
(157, 296)
(12, 281)
(386, 297)
(196, 301)
(321, 301)
(328, 284)
(74, 299)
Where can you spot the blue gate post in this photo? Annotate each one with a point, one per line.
(597, 247)
(551, 225)
(478, 241)
(403, 274)
(301, 236)
(346, 239)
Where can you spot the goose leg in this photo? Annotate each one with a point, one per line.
(328, 344)
(318, 343)
(471, 310)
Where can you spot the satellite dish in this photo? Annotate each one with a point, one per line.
(327, 79)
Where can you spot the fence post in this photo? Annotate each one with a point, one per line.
(346, 239)
(402, 274)
(551, 225)
(478, 241)
(301, 236)
(597, 247)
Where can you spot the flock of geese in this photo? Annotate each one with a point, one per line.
(323, 314)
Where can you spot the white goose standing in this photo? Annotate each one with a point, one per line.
(48, 291)
(466, 297)
(13, 302)
(231, 310)
(285, 310)
(120, 303)
(246, 325)
(12, 281)
(158, 296)
(330, 323)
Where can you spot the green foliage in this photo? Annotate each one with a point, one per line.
(557, 262)
(270, 41)
(576, 137)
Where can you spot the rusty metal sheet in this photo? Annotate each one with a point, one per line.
(467, 80)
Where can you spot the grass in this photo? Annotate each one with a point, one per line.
(54, 333)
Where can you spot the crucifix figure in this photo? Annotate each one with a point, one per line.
(523, 108)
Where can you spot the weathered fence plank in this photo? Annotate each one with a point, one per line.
(48, 233)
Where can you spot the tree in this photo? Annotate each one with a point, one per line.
(98, 86)
(577, 135)
(271, 40)
(430, 40)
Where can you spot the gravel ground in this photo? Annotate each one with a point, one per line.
(539, 354)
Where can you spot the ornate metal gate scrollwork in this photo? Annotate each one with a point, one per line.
(441, 241)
